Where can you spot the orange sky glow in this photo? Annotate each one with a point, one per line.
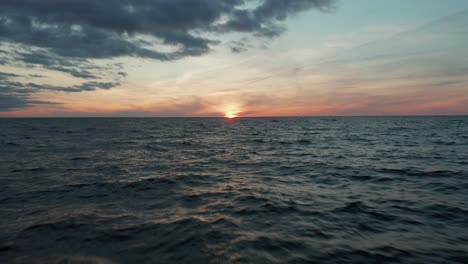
(319, 64)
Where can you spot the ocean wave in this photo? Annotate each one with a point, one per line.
(272, 190)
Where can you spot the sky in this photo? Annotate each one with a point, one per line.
(245, 58)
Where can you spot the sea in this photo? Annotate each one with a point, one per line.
(243, 190)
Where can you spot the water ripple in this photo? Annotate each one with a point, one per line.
(260, 190)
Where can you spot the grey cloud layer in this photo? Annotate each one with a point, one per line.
(107, 28)
(8, 102)
(14, 95)
(69, 35)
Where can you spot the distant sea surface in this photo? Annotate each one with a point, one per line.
(249, 190)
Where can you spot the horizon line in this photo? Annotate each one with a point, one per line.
(240, 117)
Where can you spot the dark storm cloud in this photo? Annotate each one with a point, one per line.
(5, 76)
(264, 20)
(69, 35)
(11, 86)
(14, 94)
(4, 61)
(76, 72)
(9, 102)
(4, 57)
(108, 28)
(76, 67)
(85, 87)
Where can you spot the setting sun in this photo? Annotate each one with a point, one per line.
(230, 115)
(231, 111)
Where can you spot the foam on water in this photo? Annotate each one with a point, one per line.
(210, 190)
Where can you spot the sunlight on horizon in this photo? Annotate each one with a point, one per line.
(309, 62)
(231, 111)
(230, 116)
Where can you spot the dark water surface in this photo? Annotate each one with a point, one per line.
(287, 190)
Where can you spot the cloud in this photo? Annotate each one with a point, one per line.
(5, 76)
(69, 36)
(264, 20)
(123, 74)
(9, 102)
(113, 28)
(79, 68)
(4, 58)
(36, 76)
(84, 87)
(239, 46)
(14, 94)
(185, 107)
